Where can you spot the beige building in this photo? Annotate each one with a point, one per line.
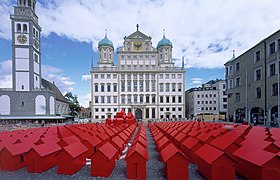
(252, 86)
(207, 102)
(145, 80)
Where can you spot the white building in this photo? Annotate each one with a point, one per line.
(145, 81)
(207, 102)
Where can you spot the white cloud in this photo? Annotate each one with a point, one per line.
(86, 77)
(6, 74)
(54, 74)
(84, 99)
(197, 81)
(205, 32)
(50, 73)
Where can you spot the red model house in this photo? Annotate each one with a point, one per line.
(68, 140)
(255, 163)
(175, 163)
(179, 138)
(136, 162)
(12, 156)
(92, 143)
(162, 143)
(42, 157)
(103, 161)
(214, 164)
(118, 143)
(189, 146)
(71, 158)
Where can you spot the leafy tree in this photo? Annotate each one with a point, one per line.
(74, 103)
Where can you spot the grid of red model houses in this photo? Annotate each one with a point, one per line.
(219, 150)
(68, 147)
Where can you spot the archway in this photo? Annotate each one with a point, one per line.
(240, 114)
(257, 115)
(138, 114)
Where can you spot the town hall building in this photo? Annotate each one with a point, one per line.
(145, 80)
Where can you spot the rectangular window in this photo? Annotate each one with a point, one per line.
(167, 99)
(147, 113)
(274, 89)
(258, 74)
(153, 112)
(147, 86)
(237, 97)
(173, 99)
(115, 98)
(179, 99)
(147, 99)
(102, 99)
(108, 76)
(161, 76)
(272, 70)
(153, 99)
(135, 98)
(161, 99)
(108, 87)
(272, 48)
(180, 87)
(123, 99)
(96, 109)
(96, 99)
(166, 76)
(129, 99)
(135, 89)
(257, 56)
(115, 87)
(237, 82)
(96, 76)
(258, 93)
(115, 76)
(237, 67)
(115, 109)
(95, 87)
(141, 84)
(173, 87)
(102, 76)
(123, 86)
(167, 87)
(161, 87)
(102, 88)
(128, 86)
(153, 86)
(108, 99)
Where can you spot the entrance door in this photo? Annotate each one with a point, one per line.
(138, 114)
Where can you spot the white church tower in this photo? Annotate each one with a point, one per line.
(26, 54)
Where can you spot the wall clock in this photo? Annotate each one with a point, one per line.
(22, 39)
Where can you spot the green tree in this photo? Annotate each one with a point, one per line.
(74, 103)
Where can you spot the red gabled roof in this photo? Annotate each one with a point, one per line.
(190, 142)
(209, 153)
(169, 151)
(102, 136)
(137, 148)
(108, 150)
(75, 149)
(19, 148)
(275, 132)
(93, 140)
(163, 141)
(70, 139)
(254, 142)
(223, 142)
(180, 136)
(46, 149)
(118, 141)
(254, 155)
(203, 137)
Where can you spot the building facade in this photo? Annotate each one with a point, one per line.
(208, 101)
(252, 86)
(28, 95)
(144, 81)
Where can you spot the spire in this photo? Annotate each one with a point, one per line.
(183, 63)
(105, 32)
(233, 54)
(163, 33)
(137, 27)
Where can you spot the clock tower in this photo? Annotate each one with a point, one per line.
(26, 55)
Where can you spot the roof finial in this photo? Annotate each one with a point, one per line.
(105, 32)
(137, 26)
(233, 54)
(164, 33)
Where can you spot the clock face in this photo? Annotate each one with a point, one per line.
(22, 39)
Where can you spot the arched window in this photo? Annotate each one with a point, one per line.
(25, 28)
(20, 2)
(29, 3)
(18, 27)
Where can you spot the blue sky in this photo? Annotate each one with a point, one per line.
(203, 31)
